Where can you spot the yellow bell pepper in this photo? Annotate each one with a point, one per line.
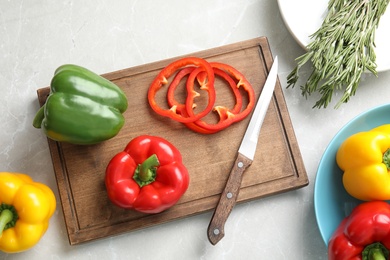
(365, 159)
(25, 209)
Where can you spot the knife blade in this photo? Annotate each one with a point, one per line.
(245, 156)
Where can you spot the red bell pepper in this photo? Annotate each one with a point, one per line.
(364, 234)
(148, 176)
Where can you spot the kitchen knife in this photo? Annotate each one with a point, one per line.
(245, 156)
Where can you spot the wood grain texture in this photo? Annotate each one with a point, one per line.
(277, 166)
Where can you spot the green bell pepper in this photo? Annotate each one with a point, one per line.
(82, 108)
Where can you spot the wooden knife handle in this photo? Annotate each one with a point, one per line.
(227, 200)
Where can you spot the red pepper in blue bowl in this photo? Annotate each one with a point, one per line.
(363, 235)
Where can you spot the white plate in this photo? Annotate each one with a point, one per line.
(304, 17)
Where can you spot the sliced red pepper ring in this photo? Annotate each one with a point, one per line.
(230, 118)
(241, 82)
(226, 116)
(223, 112)
(162, 79)
(179, 107)
(185, 111)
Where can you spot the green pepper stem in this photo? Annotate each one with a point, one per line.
(39, 117)
(146, 172)
(376, 251)
(6, 216)
(377, 254)
(386, 158)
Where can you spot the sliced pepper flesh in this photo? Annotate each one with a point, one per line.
(185, 112)
(162, 79)
(180, 108)
(226, 116)
(230, 116)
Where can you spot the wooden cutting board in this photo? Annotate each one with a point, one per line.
(277, 167)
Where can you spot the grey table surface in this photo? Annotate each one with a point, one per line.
(37, 36)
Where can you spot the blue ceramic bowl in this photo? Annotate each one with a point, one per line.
(331, 202)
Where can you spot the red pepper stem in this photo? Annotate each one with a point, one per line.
(8, 217)
(386, 158)
(146, 172)
(375, 251)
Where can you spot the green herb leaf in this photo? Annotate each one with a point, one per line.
(341, 50)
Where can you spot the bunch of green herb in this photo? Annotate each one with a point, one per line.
(341, 50)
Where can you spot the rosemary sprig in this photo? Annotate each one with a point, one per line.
(341, 50)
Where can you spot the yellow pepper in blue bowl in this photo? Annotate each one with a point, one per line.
(365, 159)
